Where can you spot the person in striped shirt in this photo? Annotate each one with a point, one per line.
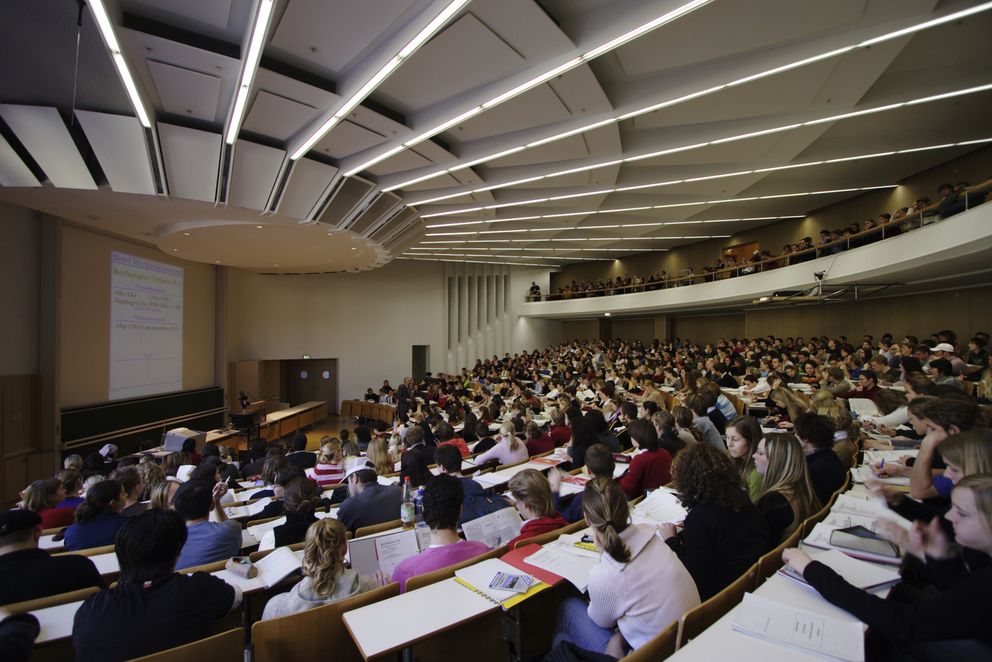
(329, 469)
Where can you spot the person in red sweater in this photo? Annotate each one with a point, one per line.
(651, 467)
(867, 386)
(43, 497)
(537, 442)
(560, 433)
(532, 497)
(446, 437)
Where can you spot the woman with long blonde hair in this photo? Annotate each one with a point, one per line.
(325, 577)
(379, 455)
(787, 497)
(789, 403)
(508, 450)
(329, 469)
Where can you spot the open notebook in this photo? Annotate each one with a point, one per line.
(799, 629)
(479, 576)
(494, 529)
(858, 573)
(371, 554)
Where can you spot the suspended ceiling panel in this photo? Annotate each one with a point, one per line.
(351, 192)
(119, 144)
(13, 172)
(277, 116)
(254, 174)
(45, 137)
(186, 92)
(307, 182)
(432, 74)
(191, 160)
(348, 138)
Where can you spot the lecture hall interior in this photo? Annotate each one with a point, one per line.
(239, 231)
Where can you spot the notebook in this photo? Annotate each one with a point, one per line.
(799, 629)
(864, 474)
(862, 574)
(662, 505)
(236, 512)
(372, 554)
(478, 577)
(573, 567)
(494, 529)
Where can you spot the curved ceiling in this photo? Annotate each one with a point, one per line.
(515, 131)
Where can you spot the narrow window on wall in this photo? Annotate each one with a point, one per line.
(506, 292)
(452, 297)
(460, 308)
(480, 299)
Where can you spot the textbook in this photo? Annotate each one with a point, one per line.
(372, 554)
(573, 484)
(494, 529)
(799, 629)
(820, 537)
(277, 565)
(862, 574)
(478, 578)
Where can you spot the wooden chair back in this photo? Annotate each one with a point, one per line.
(51, 532)
(441, 574)
(50, 600)
(257, 556)
(545, 538)
(264, 520)
(378, 528)
(311, 634)
(769, 564)
(813, 520)
(206, 567)
(224, 647)
(661, 646)
(708, 613)
(92, 551)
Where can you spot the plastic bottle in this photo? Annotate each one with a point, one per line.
(423, 531)
(408, 509)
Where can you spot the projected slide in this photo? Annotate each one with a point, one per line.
(146, 327)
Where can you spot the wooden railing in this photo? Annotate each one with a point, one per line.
(863, 238)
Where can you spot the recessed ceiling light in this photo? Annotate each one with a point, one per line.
(353, 248)
(607, 315)
(187, 234)
(175, 250)
(258, 227)
(216, 261)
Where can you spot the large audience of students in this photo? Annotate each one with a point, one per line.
(674, 403)
(952, 200)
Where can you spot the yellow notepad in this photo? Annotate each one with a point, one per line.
(477, 577)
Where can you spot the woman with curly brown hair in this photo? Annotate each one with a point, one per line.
(325, 577)
(723, 534)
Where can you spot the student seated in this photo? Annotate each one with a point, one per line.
(206, 541)
(651, 467)
(787, 497)
(72, 481)
(442, 505)
(45, 497)
(412, 466)
(638, 588)
(723, 534)
(532, 497)
(599, 463)
(446, 437)
(368, 502)
(277, 506)
(300, 456)
(329, 469)
(743, 435)
(826, 472)
(98, 518)
(698, 405)
(130, 480)
(29, 572)
(949, 621)
(537, 442)
(152, 608)
(300, 499)
(476, 502)
(508, 450)
(270, 468)
(326, 578)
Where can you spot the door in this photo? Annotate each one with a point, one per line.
(421, 359)
(312, 380)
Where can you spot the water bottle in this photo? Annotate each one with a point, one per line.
(408, 510)
(423, 531)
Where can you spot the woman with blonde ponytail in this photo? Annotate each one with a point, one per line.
(325, 577)
(638, 588)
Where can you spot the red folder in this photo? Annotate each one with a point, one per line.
(516, 559)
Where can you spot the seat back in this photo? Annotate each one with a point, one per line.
(224, 647)
(313, 634)
(50, 600)
(661, 646)
(440, 574)
(92, 551)
(378, 528)
(769, 564)
(709, 612)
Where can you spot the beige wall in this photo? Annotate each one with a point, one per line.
(634, 329)
(20, 255)
(973, 167)
(708, 328)
(85, 316)
(580, 330)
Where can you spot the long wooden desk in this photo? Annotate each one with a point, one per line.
(276, 425)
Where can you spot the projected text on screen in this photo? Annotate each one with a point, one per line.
(146, 327)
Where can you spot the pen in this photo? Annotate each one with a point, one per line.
(881, 466)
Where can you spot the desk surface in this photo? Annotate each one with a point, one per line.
(56, 622)
(393, 624)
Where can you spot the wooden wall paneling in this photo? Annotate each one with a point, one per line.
(704, 329)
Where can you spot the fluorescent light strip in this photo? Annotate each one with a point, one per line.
(376, 79)
(700, 93)
(510, 264)
(622, 225)
(249, 68)
(540, 79)
(110, 40)
(738, 173)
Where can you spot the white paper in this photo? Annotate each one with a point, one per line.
(573, 484)
(798, 628)
(277, 565)
(237, 512)
(480, 574)
(384, 552)
(820, 537)
(661, 506)
(573, 567)
(494, 529)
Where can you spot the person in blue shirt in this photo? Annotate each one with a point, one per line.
(206, 541)
(98, 518)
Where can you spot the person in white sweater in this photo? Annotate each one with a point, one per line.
(508, 450)
(639, 587)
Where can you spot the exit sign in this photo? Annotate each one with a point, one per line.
(306, 356)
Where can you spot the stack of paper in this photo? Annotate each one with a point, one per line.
(573, 566)
(236, 512)
(660, 506)
(799, 629)
(864, 474)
